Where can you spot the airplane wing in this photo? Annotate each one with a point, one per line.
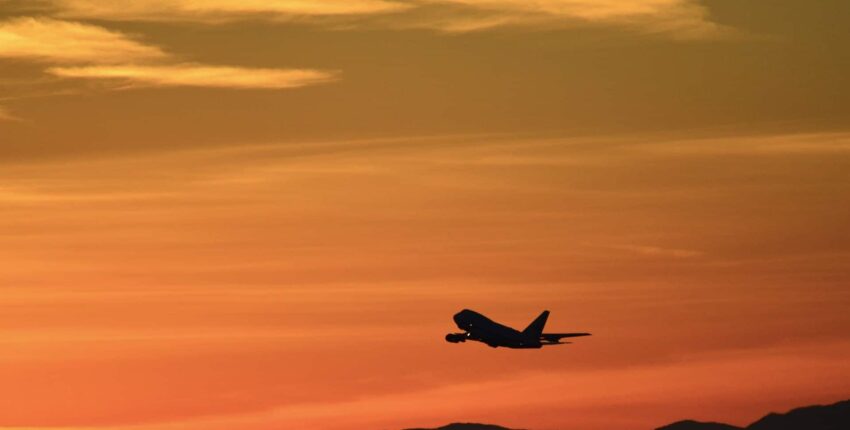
(556, 337)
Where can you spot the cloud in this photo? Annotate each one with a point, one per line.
(198, 75)
(80, 50)
(220, 10)
(655, 251)
(55, 41)
(5, 115)
(804, 143)
(680, 18)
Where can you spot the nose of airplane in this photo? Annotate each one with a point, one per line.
(458, 317)
(461, 318)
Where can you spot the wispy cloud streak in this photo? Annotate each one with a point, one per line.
(5, 115)
(221, 10)
(679, 18)
(657, 251)
(81, 50)
(55, 41)
(197, 75)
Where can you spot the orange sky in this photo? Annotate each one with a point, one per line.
(260, 215)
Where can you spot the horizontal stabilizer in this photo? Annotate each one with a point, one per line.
(555, 337)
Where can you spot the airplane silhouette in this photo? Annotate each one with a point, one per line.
(479, 328)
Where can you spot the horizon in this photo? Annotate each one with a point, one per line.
(264, 214)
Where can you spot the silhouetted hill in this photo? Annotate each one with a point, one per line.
(467, 426)
(696, 425)
(830, 417)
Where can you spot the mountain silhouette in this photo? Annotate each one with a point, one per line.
(467, 426)
(696, 425)
(829, 417)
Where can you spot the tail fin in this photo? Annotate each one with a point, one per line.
(535, 329)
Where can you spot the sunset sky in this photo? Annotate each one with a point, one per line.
(262, 214)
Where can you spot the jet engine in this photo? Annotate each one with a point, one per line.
(456, 337)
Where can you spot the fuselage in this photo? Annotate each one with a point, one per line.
(482, 329)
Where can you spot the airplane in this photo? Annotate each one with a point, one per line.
(477, 327)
